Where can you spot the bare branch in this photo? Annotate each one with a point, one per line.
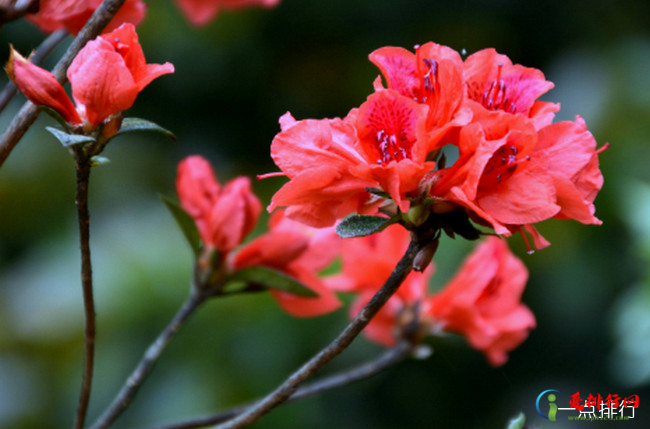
(341, 342)
(366, 370)
(83, 174)
(144, 367)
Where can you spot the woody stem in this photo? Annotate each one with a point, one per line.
(150, 357)
(387, 359)
(81, 200)
(340, 343)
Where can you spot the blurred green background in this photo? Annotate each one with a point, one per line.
(234, 78)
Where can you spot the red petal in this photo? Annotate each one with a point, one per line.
(41, 87)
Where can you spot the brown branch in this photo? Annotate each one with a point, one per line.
(37, 57)
(366, 370)
(145, 366)
(341, 342)
(83, 174)
(29, 112)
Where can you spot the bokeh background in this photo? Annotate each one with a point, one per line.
(590, 290)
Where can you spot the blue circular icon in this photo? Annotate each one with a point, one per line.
(540, 397)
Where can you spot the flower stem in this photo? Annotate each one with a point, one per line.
(146, 364)
(340, 343)
(28, 113)
(81, 200)
(37, 57)
(387, 359)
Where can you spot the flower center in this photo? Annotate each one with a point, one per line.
(386, 126)
(496, 96)
(500, 166)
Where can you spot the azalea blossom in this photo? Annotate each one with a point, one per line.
(483, 302)
(201, 12)
(510, 175)
(300, 252)
(493, 83)
(73, 14)
(224, 215)
(106, 77)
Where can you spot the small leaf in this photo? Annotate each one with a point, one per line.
(270, 278)
(361, 225)
(55, 115)
(185, 223)
(130, 125)
(68, 140)
(97, 160)
(517, 422)
(378, 192)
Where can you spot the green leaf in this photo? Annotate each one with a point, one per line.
(517, 422)
(361, 225)
(269, 278)
(55, 115)
(68, 140)
(185, 223)
(378, 192)
(130, 125)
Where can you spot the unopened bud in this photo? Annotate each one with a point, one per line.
(423, 257)
(419, 214)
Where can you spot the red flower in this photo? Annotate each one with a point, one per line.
(223, 216)
(73, 14)
(494, 83)
(367, 264)
(330, 163)
(106, 77)
(512, 176)
(432, 76)
(300, 252)
(201, 12)
(483, 301)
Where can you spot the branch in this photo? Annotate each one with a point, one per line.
(29, 112)
(37, 57)
(83, 174)
(137, 377)
(340, 343)
(366, 370)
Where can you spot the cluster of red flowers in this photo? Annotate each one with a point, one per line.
(482, 302)
(515, 167)
(226, 215)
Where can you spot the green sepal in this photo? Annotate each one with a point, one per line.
(96, 161)
(517, 422)
(362, 225)
(130, 125)
(185, 223)
(378, 192)
(254, 278)
(68, 140)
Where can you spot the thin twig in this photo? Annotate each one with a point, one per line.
(29, 112)
(339, 344)
(137, 377)
(366, 370)
(37, 57)
(83, 174)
